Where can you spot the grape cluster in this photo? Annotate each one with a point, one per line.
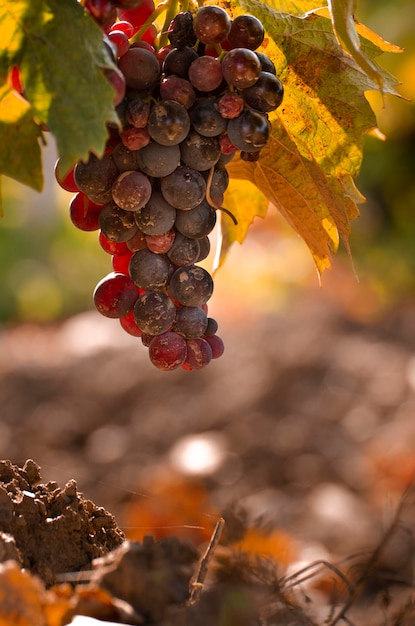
(154, 194)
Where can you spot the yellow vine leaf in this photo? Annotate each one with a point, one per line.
(314, 154)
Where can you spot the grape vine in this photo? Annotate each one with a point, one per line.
(186, 109)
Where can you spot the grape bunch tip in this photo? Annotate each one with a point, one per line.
(185, 111)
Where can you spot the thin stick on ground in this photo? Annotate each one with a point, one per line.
(198, 580)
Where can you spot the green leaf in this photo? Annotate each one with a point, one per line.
(316, 145)
(19, 138)
(60, 52)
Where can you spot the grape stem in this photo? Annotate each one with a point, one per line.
(152, 18)
(212, 203)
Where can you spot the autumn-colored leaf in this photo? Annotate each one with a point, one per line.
(275, 544)
(307, 170)
(25, 602)
(60, 53)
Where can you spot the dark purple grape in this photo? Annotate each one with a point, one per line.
(246, 32)
(156, 217)
(168, 123)
(178, 62)
(167, 351)
(115, 295)
(140, 67)
(150, 271)
(211, 24)
(161, 244)
(191, 285)
(184, 250)
(249, 131)
(178, 89)
(154, 313)
(124, 158)
(184, 188)
(204, 245)
(266, 64)
(241, 68)
(131, 190)
(191, 322)
(180, 31)
(95, 177)
(205, 73)
(137, 112)
(199, 152)
(157, 161)
(211, 327)
(116, 224)
(206, 118)
(266, 94)
(218, 183)
(197, 222)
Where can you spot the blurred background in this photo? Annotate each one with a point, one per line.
(306, 422)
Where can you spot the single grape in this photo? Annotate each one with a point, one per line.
(157, 161)
(180, 31)
(226, 146)
(66, 181)
(124, 158)
(211, 24)
(115, 295)
(116, 224)
(230, 105)
(154, 313)
(140, 68)
(167, 351)
(184, 188)
(112, 247)
(205, 73)
(150, 271)
(197, 222)
(216, 345)
(131, 190)
(241, 67)
(120, 40)
(178, 61)
(190, 322)
(249, 131)
(128, 324)
(199, 354)
(124, 26)
(246, 32)
(178, 89)
(168, 123)
(199, 152)
(95, 177)
(183, 250)
(137, 112)
(266, 64)
(135, 138)
(206, 118)
(102, 11)
(117, 81)
(211, 327)
(204, 245)
(161, 244)
(157, 216)
(191, 285)
(121, 263)
(266, 94)
(84, 213)
(217, 183)
(137, 242)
